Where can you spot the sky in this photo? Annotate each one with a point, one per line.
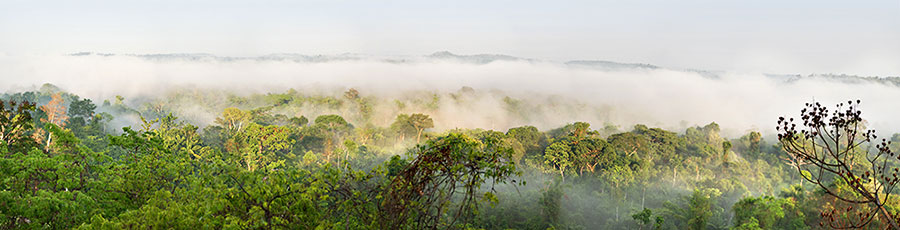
(772, 36)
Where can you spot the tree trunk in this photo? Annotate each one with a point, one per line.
(675, 175)
(617, 212)
(697, 168)
(418, 134)
(328, 144)
(49, 137)
(643, 196)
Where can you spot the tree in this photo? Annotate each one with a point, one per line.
(558, 155)
(299, 121)
(54, 190)
(579, 149)
(618, 176)
(402, 126)
(577, 129)
(700, 208)
(550, 202)
(56, 114)
(368, 133)
(750, 224)
(766, 212)
(263, 116)
(233, 119)
(643, 219)
(726, 147)
(81, 111)
(835, 147)
(332, 122)
(15, 123)
(420, 122)
(412, 124)
(337, 126)
(755, 139)
(531, 139)
(265, 146)
(351, 94)
(447, 168)
(761, 211)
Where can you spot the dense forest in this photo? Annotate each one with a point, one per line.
(207, 159)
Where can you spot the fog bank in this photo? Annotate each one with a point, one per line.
(597, 92)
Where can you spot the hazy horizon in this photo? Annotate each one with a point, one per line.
(621, 95)
(760, 36)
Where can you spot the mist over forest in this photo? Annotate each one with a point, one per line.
(439, 141)
(546, 94)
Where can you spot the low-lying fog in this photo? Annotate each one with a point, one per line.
(594, 91)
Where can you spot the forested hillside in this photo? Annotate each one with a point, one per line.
(203, 159)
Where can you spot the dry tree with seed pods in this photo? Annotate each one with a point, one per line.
(836, 148)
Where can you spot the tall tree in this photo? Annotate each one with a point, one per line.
(334, 125)
(532, 140)
(837, 148)
(233, 119)
(81, 111)
(412, 124)
(420, 122)
(447, 168)
(726, 148)
(700, 207)
(15, 123)
(265, 146)
(56, 114)
(559, 156)
(402, 126)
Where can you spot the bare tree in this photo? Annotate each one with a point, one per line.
(834, 148)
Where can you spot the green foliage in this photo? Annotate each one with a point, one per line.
(700, 208)
(81, 112)
(407, 125)
(449, 166)
(299, 121)
(233, 119)
(642, 217)
(761, 210)
(532, 141)
(265, 147)
(767, 212)
(262, 164)
(16, 124)
(749, 224)
(550, 204)
(558, 155)
(52, 190)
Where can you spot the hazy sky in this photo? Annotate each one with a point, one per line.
(776, 36)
